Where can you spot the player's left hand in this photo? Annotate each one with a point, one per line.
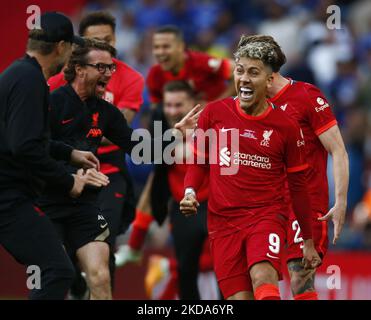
(84, 159)
(337, 214)
(189, 122)
(311, 259)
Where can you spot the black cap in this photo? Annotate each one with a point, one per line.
(57, 27)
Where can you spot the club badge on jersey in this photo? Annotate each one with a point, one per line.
(95, 131)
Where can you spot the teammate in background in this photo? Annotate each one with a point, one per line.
(247, 217)
(208, 76)
(176, 62)
(306, 104)
(124, 90)
(26, 162)
(81, 118)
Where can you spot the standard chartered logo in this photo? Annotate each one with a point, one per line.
(243, 159)
(251, 160)
(224, 157)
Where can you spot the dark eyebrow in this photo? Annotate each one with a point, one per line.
(256, 68)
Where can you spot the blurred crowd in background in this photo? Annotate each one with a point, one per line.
(337, 61)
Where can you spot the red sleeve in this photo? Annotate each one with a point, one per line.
(196, 172)
(195, 176)
(131, 96)
(319, 111)
(56, 81)
(300, 202)
(295, 153)
(154, 86)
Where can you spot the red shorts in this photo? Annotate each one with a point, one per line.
(235, 253)
(295, 240)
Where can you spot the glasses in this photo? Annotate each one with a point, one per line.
(102, 67)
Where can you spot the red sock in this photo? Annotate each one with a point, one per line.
(171, 288)
(306, 296)
(267, 291)
(140, 228)
(173, 265)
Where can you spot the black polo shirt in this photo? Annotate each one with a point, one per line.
(82, 124)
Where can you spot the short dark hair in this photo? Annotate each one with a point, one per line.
(179, 85)
(97, 18)
(279, 58)
(171, 29)
(80, 53)
(40, 46)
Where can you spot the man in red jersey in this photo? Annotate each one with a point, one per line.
(124, 90)
(207, 75)
(247, 214)
(307, 105)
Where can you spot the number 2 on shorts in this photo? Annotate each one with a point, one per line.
(297, 239)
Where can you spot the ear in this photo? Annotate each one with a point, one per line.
(79, 71)
(270, 81)
(181, 45)
(60, 47)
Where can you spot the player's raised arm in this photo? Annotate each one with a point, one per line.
(197, 171)
(333, 143)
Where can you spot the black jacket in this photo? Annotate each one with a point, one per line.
(25, 150)
(82, 124)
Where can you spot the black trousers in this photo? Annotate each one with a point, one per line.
(29, 236)
(189, 234)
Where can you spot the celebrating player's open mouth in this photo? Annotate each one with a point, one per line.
(252, 78)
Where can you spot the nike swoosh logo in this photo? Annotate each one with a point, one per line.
(67, 121)
(226, 130)
(104, 225)
(273, 257)
(284, 107)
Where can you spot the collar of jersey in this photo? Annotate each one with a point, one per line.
(71, 92)
(280, 93)
(247, 116)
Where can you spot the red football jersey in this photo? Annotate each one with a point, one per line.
(206, 74)
(124, 90)
(269, 145)
(307, 105)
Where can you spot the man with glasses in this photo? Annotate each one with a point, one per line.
(79, 118)
(124, 90)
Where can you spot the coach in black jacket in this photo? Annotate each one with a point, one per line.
(26, 161)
